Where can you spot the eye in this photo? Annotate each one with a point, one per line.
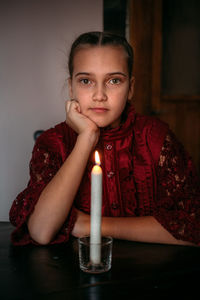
(115, 81)
(85, 81)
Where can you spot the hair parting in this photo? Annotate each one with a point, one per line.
(98, 38)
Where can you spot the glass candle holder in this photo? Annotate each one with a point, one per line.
(95, 258)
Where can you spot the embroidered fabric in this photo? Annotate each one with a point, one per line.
(178, 201)
(140, 178)
(43, 166)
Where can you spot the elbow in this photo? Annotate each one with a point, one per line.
(41, 237)
(41, 240)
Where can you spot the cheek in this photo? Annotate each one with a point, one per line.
(80, 92)
(121, 92)
(121, 97)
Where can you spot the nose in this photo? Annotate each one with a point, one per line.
(99, 93)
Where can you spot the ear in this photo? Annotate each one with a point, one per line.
(131, 88)
(69, 80)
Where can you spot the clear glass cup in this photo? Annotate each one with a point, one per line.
(95, 258)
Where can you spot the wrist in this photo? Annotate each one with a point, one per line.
(108, 226)
(90, 137)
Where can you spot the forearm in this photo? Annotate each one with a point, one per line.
(141, 229)
(56, 200)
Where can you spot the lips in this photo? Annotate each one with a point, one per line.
(99, 109)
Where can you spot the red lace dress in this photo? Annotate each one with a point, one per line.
(146, 172)
(178, 191)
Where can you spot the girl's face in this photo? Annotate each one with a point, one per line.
(101, 83)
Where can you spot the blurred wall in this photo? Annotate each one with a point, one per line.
(35, 37)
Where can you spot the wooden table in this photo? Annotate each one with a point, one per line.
(139, 271)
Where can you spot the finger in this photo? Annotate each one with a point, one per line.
(75, 105)
(67, 105)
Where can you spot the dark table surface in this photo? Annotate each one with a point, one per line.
(139, 271)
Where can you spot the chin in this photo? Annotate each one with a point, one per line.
(99, 123)
(102, 124)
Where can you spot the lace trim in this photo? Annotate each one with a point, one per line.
(178, 192)
(43, 167)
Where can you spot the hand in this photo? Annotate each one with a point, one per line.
(82, 224)
(79, 122)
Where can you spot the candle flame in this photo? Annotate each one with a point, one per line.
(97, 158)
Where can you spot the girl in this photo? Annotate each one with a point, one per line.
(150, 188)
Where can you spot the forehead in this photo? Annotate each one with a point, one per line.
(100, 59)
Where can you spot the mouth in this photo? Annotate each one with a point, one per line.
(99, 109)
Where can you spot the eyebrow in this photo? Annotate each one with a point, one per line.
(82, 73)
(110, 74)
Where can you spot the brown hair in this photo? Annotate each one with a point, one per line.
(97, 38)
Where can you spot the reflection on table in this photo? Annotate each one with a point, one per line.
(138, 271)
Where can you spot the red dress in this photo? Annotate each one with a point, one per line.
(146, 172)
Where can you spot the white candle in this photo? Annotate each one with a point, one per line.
(96, 207)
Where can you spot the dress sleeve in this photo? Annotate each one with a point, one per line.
(43, 166)
(178, 201)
